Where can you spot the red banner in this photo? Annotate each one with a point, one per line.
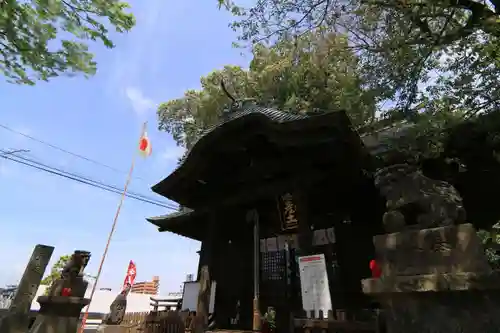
(130, 277)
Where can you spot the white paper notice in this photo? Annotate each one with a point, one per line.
(314, 284)
(319, 237)
(272, 244)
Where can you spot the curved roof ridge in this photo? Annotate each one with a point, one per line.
(242, 110)
(271, 121)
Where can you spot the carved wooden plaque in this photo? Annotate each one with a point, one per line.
(288, 212)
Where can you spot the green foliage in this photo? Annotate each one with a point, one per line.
(425, 138)
(491, 242)
(42, 39)
(420, 53)
(55, 272)
(314, 71)
(270, 318)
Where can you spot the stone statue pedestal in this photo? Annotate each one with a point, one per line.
(436, 280)
(59, 314)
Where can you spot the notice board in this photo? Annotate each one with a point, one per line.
(190, 296)
(314, 284)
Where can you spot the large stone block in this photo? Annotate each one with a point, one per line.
(436, 281)
(444, 312)
(451, 249)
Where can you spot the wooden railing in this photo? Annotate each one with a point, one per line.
(369, 321)
(154, 322)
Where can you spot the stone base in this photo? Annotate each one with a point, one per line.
(451, 249)
(443, 312)
(53, 324)
(442, 282)
(61, 305)
(436, 281)
(58, 314)
(439, 303)
(14, 322)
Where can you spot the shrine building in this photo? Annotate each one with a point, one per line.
(305, 177)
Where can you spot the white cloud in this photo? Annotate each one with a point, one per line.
(139, 52)
(140, 103)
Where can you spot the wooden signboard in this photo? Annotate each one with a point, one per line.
(288, 212)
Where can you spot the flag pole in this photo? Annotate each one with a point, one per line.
(112, 231)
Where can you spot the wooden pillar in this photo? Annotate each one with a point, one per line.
(206, 275)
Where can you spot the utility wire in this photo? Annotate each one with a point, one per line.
(89, 182)
(66, 151)
(83, 180)
(11, 152)
(114, 188)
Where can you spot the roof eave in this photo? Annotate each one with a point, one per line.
(180, 223)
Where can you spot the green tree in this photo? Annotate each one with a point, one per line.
(55, 272)
(423, 54)
(43, 39)
(491, 243)
(315, 71)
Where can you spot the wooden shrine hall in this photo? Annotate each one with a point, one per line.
(300, 183)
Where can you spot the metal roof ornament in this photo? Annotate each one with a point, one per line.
(236, 104)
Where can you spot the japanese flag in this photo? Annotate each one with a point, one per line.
(144, 144)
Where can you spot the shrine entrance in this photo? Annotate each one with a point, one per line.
(304, 177)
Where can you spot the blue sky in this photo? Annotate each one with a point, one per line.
(173, 44)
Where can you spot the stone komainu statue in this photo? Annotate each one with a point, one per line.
(76, 265)
(413, 197)
(72, 273)
(117, 308)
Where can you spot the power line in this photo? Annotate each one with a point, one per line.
(11, 152)
(114, 188)
(92, 183)
(66, 151)
(87, 181)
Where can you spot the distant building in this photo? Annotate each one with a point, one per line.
(6, 296)
(147, 287)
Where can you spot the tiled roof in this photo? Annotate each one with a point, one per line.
(186, 212)
(247, 109)
(242, 116)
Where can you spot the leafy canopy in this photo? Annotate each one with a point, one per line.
(422, 54)
(315, 71)
(42, 39)
(55, 272)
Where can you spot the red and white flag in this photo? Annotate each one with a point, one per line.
(130, 277)
(145, 148)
